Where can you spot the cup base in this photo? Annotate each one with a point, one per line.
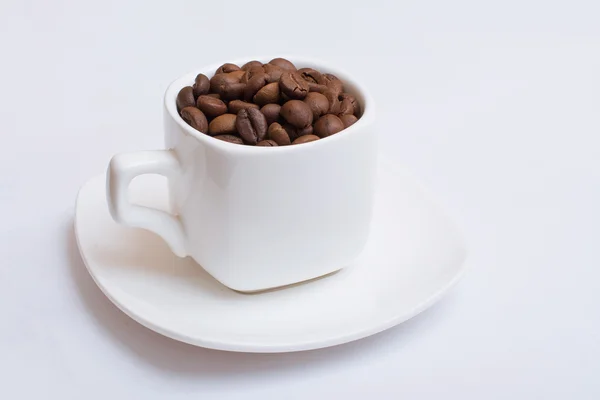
(291, 285)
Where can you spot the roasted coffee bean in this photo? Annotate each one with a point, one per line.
(251, 125)
(346, 108)
(297, 113)
(306, 139)
(185, 98)
(332, 82)
(318, 104)
(233, 91)
(295, 133)
(238, 74)
(327, 125)
(333, 99)
(250, 64)
(315, 87)
(256, 70)
(310, 75)
(195, 118)
(273, 72)
(308, 130)
(267, 143)
(228, 85)
(222, 125)
(348, 104)
(230, 139)
(267, 94)
(283, 63)
(219, 81)
(235, 106)
(291, 131)
(271, 112)
(335, 82)
(211, 106)
(201, 85)
(278, 134)
(227, 67)
(293, 85)
(254, 84)
(348, 120)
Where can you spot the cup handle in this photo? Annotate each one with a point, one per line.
(121, 171)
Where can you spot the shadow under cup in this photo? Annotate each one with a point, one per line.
(258, 218)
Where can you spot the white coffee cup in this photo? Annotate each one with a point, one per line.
(257, 217)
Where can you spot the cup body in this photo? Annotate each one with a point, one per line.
(262, 217)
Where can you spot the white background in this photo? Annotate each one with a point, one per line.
(495, 106)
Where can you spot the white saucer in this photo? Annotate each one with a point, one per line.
(414, 255)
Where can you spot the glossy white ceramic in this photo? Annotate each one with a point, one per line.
(413, 256)
(257, 217)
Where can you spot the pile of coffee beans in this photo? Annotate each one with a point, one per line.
(273, 104)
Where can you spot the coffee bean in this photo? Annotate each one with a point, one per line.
(293, 85)
(238, 74)
(185, 98)
(315, 87)
(334, 102)
(267, 94)
(222, 125)
(271, 112)
(230, 139)
(248, 74)
(308, 130)
(278, 134)
(267, 143)
(233, 91)
(235, 106)
(295, 133)
(195, 118)
(201, 85)
(251, 125)
(218, 82)
(349, 104)
(348, 120)
(297, 113)
(255, 83)
(283, 63)
(310, 75)
(318, 104)
(227, 67)
(305, 139)
(327, 125)
(228, 85)
(273, 72)
(346, 108)
(291, 131)
(335, 82)
(211, 106)
(250, 64)
(332, 82)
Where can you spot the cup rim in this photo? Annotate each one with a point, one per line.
(368, 106)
